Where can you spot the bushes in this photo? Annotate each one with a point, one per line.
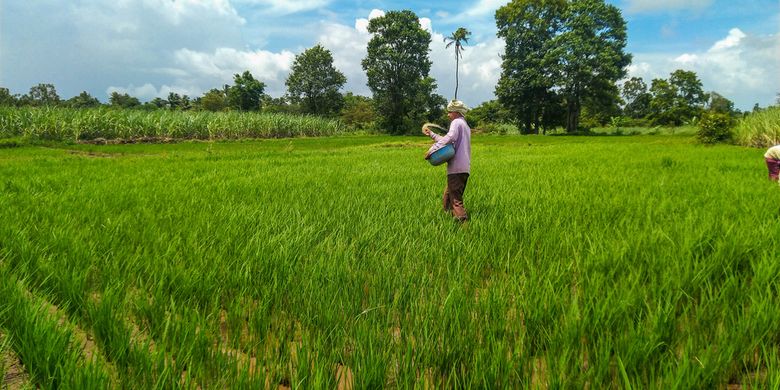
(715, 127)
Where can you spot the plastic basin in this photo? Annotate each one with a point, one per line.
(442, 155)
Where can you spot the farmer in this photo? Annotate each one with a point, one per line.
(459, 166)
(772, 157)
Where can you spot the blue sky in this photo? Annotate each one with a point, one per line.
(149, 48)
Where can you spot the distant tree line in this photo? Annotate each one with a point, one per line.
(564, 66)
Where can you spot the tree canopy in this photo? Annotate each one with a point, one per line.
(574, 49)
(397, 66)
(246, 92)
(314, 83)
(458, 38)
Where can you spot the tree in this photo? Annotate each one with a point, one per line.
(6, 99)
(82, 100)
(246, 92)
(526, 85)
(214, 100)
(636, 97)
(458, 38)
(601, 104)
(279, 105)
(719, 103)
(590, 53)
(123, 100)
(314, 83)
(174, 101)
(677, 100)
(690, 94)
(358, 111)
(574, 49)
(489, 112)
(397, 67)
(43, 95)
(663, 103)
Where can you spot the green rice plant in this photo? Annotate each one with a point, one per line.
(760, 129)
(45, 347)
(5, 348)
(588, 261)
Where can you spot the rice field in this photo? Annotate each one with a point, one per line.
(588, 262)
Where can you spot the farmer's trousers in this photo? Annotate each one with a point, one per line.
(774, 168)
(452, 200)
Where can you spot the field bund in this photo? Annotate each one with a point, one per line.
(601, 262)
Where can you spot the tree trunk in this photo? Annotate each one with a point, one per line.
(573, 114)
(457, 62)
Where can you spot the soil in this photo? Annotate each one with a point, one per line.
(15, 377)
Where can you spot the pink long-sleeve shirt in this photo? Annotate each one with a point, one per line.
(459, 136)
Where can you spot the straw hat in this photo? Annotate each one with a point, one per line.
(457, 106)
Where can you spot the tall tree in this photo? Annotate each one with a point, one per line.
(458, 38)
(246, 92)
(43, 95)
(314, 83)
(590, 53)
(397, 66)
(527, 73)
(574, 48)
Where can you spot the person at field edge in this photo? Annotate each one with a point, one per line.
(459, 166)
(772, 157)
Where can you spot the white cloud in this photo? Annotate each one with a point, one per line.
(361, 24)
(220, 66)
(482, 8)
(149, 91)
(638, 6)
(286, 7)
(183, 10)
(741, 66)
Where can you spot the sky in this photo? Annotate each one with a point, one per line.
(149, 48)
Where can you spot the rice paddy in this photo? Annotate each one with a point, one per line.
(588, 262)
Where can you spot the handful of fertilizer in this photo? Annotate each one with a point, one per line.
(433, 127)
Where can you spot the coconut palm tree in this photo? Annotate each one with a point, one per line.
(458, 38)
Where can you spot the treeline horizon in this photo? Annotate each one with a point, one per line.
(564, 66)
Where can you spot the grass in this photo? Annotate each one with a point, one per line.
(609, 262)
(760, 129)
(71, 125)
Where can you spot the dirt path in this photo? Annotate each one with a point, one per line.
(15, 377)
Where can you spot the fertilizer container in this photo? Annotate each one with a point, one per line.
(442, 155)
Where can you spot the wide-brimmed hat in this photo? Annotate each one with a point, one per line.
(457, 106)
